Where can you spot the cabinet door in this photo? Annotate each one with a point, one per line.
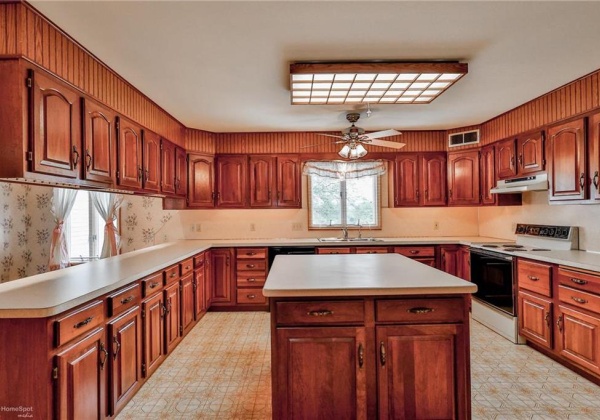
(464, 263)
(167, 167)
(321, 373)
(153, 311)
(530, 153)
(173, 315)
(450, 259)
(594, 153)
(578, 338)
(505, 159)
(222, 269)
(488, 175)
(463, 178)
(232, 189)
(433, 179)
(262, 181)
(289, 182)
(98, 142)
(151, 161)
(126, 358)
(180, 171)
(201, 193)
(129, 156)
(187, 302)
(81, 384)
(199, 293)
(420, 369)
(535, 319)
(208, 278)
(567, 161)
(407, 180)
(56, 122)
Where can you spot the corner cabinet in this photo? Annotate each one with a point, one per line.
(463, 178)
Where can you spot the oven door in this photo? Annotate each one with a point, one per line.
(493, 274)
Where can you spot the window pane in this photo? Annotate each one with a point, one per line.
(325, 201)
(361, 201)
(79, 227)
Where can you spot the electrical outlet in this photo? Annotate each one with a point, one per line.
(198, 227)
(296, 227)
(436, 225)
(252, 227)
(193, 228)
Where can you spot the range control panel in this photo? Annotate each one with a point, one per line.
(544, 231)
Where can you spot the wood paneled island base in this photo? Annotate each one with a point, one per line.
(381, 349)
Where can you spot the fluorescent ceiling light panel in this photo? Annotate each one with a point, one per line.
(372, 82)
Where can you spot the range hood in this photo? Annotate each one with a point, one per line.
(526, 183)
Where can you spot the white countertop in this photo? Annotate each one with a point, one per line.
(358, 275)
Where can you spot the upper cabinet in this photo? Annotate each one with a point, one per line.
(594, 154)
(98, 142)
(521, 156)
(232, 187)
(487, 175)
(262, 181)
(167, 167)
(420, 179)
(151, 161)
(129, 146)
(567, 161)
(463, 178)
(180, 171)
(201, 177)
(289, 192)
(505, 159)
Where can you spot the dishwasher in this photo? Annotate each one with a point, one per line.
(289, 250)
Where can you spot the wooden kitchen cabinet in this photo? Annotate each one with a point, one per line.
(153, 325)
(420, 179)
(200, 287)
(567, 173)
(151, 159)
(172, 296)
(129, 156)
(464, 260)
(535, 318)
(530, 153)
(222, 277)
(463, 178)
(594, 156)
(232, 186)
(450, 259)
(289, 182)
(506, 162)
(423, 254)
(81, 372)
(333, 250)
(488, 175)
(201, 177)
(251, 274)
(181, 182)
(125, 361)
(578, 337)
(187, 302)
(99, 144)
(263, 188)
(167, 167)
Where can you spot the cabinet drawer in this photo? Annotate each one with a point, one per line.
(171, 274)
(419, 310)
(252, 253)
(186, 266)
(251, 278)
(199, 260)
(124, 299)
(577, 280)
(251, 296)
(415, 251)
(580, 299)
(78, 322)
(331, 250)
(372, 250)
(152, 284)
(534, 276)
(325, 312)
(246, 265)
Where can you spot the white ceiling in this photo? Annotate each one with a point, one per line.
(224, 66)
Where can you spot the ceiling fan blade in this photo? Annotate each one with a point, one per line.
(331, 135)
(385, 143)
(384, 133)
(321, 144)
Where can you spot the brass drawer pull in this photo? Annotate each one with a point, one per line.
(414, 251)
(361, 356)
(173, 274)
(534, 278)
(153, 285)
(84, 322)
(126, 300)
(578, 281)
(420, 310)
(250, 253)
(250, 265)
(187, 267)
(252, 280)
(579, 300)
(251, 296)
(324, 312)
(382, 355)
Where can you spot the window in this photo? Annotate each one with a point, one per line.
(85, 230)
(336, 203)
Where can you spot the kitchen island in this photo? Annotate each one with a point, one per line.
(368, 336)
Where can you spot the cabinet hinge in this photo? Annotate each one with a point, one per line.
(543, 162)
(55, 373)
(181, 287)
(143, 313)
(29, 156)
(143, 368)
(117, 174)
(118, 124)
(181, 329)
(29, 82)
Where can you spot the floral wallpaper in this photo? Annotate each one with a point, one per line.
(26, 225)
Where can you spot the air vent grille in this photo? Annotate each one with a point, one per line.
(463, 139)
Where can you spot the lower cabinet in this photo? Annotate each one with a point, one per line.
(535, 319)
(187, 302)
(153, 320)
(222, 277)
(81, 378)
(172, 316)
(578, 338)
(423, 254)
(456, 260)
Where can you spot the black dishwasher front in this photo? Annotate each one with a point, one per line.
(289, 250)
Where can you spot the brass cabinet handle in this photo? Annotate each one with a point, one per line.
(420, 310)
(173, 274)
(512, 161)
(88, 159)
(595, 180)
(140, 173)
(251, 280)
(413, 251)
(520, 160)
(361, 356)
(103, 350)
(579, 300)
(582, 180)
(559, 323)
(578, 281)
(250, 253)
(153, 285)
(547, 319)
(187, 267)
(126, 300)
(251, 296)
(116, 341)
(250, 265)
(534, 278)
(84, 322)
(323, 312)
(75, 157)
(382, 355)
(164, 310)
(147, 173)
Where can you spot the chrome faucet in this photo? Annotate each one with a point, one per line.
(345, 232)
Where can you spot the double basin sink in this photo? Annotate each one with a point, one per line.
(350, 240)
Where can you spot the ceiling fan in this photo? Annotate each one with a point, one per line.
(355, 137)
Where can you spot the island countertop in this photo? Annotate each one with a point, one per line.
(358, 275)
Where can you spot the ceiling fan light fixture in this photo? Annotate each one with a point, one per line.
(355, 82)
(353, 151)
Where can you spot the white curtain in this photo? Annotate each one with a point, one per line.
(344, 170)
(107, 206)
(62, 203)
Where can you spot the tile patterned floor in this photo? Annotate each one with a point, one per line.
(222, 371)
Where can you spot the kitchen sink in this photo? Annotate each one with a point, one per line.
(350, 240)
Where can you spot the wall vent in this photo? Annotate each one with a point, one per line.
(463, 139)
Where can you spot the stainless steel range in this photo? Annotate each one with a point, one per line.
(493, 270)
